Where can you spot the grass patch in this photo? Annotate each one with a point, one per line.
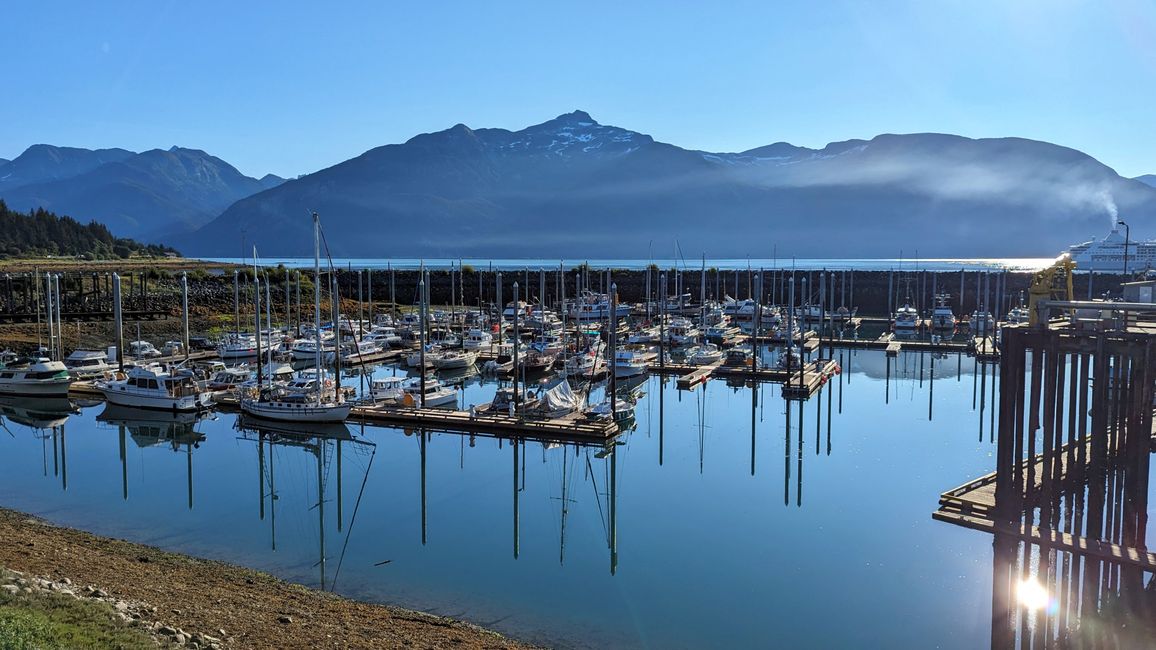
(47, 620)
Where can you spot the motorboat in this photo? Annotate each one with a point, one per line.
(942, 318)
(172, 349)
(503, 402)
(477, 339)
(631, 362)
(88, 364)
(36, 377)
(433, 394)
(704, 354)
(644, 336)
(452, 359)
(682, 332)
(152, 386)
(387, 389)
(738, 357)
(229, 379)
(906, 317)
(535, 361)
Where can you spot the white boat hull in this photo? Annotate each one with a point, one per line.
(156, 402)
(297, 412)
(40, 388)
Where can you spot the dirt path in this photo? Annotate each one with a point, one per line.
(254, 609)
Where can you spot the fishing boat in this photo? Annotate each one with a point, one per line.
(942, 318)
(87, 364)
(153, 386)
(704, 354)
(35, 377)
(285, 403)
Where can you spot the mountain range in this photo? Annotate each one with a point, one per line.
(155, 195)
(572, 187)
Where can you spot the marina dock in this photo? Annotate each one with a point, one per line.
(571, 427)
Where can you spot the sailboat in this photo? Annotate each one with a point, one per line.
(282, 403)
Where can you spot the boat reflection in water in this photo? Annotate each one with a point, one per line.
(152, 428)
(322, 440)
(46, 416)
(37, 413)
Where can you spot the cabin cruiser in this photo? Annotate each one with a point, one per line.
(704, 354)
(547, 344)
(521, 308)
(228, 379)
(477, 339)
(153, 386)
(237, 346)
(942, 318)
(387, 389)
(906, 317)
(384, 336)
(631, 362)
(682, 332)
(35, 377)
(88, 364)
(306, 349)
(435, 393)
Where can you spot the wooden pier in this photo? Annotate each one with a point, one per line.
(985, 348)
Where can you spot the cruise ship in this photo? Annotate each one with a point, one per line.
(1107, 254)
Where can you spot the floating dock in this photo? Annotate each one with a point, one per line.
(804, 382)
(571, 427)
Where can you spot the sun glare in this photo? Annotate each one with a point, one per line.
(1032, 594)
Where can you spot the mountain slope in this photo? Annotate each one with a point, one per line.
(573, 187)
(154, 195)
(1147, 179)
(45, 162)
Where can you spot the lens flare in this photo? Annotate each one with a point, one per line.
(1032, 594)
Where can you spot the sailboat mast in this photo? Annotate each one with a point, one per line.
(317, 298)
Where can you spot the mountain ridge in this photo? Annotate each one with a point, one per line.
(571, 184)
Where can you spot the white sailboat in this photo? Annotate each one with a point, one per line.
(281, 403)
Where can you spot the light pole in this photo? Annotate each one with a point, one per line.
(1127, 241)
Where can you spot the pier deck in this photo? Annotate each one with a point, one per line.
(804, 382)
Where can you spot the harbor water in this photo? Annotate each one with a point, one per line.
(725, 516)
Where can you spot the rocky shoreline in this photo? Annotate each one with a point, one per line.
(186, 602)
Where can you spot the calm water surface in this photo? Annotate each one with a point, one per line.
(724, 518)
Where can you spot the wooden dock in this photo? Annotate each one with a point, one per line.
(985, 348)
(697, 376)
(571, 427)
(804, 382)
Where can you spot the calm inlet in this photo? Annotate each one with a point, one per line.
(727, 516)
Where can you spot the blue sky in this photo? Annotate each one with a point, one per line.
(292, 87)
